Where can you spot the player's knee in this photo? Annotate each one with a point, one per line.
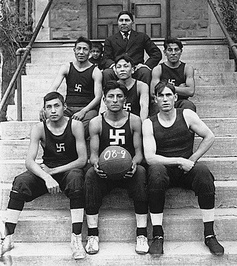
(75, 184)
(203, 183)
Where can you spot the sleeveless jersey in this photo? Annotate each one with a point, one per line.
(59, 149)
(80, 86)
(174, 141)
(132, 102)
(111, 136)
(174, 76)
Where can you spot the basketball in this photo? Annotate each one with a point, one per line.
(115, 161)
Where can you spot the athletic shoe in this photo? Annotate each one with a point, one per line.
(156, 246)
(78, 251)
(6, 244)
(214, 246)
(92, 246)
(142, 245)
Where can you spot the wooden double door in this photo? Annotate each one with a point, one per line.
(150, 16)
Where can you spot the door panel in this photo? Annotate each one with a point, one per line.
(149, 16)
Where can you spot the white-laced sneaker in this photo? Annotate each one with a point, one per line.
(92, 246)
(6, 244)
(78, 251)
(142, 246)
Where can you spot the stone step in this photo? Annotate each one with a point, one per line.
(120, 254)
(205, 109)
(200, 66)
(17, 149)
(214, 93)
(118, 199)
(21, 129)
(120, 225)
(66, 51)
(223, 168)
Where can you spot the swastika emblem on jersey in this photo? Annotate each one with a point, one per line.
(60, 147)
(171, 81)
(117, 136)
(127, 107)
(78, 87)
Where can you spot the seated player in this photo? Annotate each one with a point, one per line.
(115, 127)
(168, 139)
(63, 143)
(180, 74)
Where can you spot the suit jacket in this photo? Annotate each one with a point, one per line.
(137, 44)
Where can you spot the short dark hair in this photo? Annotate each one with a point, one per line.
(83, 39)
(112, 85)
(98, 45)
(159, 87)
(167, 41)
(126, 57)
(125, 13)
(53, 95)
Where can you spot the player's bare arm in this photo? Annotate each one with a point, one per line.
(202, 130)
(143, 90)
(149, 146)
(63, 71)
(95, 127)
(155, 78)
(136, 127)
(35, 137)
(187, 89)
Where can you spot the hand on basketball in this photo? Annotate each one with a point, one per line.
(186, 165)
(79, 115)
(99, 172)
(131, 172)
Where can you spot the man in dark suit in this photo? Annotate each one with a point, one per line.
(132, 43)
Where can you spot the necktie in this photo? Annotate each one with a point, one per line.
(125, 37)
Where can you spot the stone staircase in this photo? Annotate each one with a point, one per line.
(43, 232)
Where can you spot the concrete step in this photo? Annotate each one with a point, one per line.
(216, 109)
(17, 149)
(21, 129)
(214, 93)
(120, 225)
(121, 254)
(118, 199)
(205, 109)
(216, 79)
(200, 66)
(223, 168)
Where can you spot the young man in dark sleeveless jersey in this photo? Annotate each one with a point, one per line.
(64, 156)
(137, 100)
(168, 139)
(116, 127)
(180, 74)
(84, 85)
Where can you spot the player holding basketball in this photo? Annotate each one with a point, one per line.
(168, 139)
(63, 143)
(115, 127)
(180, 74)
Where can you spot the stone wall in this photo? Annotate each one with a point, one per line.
(189, 18)
(68, 19)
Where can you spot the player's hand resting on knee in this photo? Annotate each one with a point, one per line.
(79, 115)
(52, 185)
(186, 164)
